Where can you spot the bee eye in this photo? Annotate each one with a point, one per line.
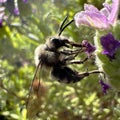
(55, 40)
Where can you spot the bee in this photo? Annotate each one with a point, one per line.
(57, 53)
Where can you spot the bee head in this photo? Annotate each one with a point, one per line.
(56, 43)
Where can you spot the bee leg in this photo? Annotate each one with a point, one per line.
(74, 44)
(96, 72)
(90, 72)
(78, 61)
(85, 74)
(71, 52)
(69, 58)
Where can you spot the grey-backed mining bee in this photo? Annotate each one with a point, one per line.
(57, 53)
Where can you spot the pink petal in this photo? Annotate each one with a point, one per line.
(114, 12)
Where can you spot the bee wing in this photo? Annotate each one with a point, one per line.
(31, 86)
(32, 101)
(36, 94)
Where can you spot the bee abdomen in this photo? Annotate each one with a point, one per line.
(65, 74)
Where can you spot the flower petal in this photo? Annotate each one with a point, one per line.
(80, 18)
(106, 10)
(91, 8)
(92, 19)
(114, 12)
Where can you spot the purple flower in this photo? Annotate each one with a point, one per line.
(105, 86)
(1, 23)
(110, 45)
(89, 48)
(16, 11)
(25, 1)
(102, 19)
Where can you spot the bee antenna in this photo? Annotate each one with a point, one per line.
(61, 26)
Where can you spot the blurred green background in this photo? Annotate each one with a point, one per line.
(19, 36)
